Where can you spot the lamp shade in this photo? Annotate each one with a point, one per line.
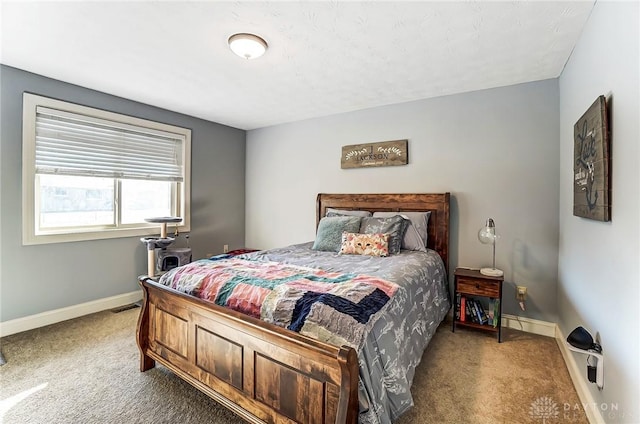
(248, 46)
(487, 234)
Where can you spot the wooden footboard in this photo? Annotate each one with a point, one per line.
(260, 371)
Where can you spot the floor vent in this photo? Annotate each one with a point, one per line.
(125, 308)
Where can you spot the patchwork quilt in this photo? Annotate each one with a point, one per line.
(334, 307)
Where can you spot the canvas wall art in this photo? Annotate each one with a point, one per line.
(384, 153)
(591, 181)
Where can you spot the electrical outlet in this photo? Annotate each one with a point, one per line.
(225, 248)
(521, 293)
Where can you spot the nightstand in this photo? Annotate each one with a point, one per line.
(470, 284)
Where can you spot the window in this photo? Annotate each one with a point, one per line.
(90, 174)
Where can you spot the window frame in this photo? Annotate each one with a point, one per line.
(29, 196)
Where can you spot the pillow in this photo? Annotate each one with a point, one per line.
(395, 226)
(330, 229)
(419, 221)
(365, 244)
(338, 212)
(412, 239)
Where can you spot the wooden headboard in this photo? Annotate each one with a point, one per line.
(437, 203)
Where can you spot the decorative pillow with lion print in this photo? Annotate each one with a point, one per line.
(376, 244)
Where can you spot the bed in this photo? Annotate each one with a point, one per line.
(266, 373)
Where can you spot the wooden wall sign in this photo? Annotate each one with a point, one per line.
(591, 182)
(385, 153)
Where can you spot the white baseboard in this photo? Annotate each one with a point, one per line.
(529, 325)
(577, 376)
(19, 325)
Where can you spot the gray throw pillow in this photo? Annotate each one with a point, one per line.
(419, 222)
(330, 229)
(395, 226)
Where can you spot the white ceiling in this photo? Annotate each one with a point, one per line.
(323, 57)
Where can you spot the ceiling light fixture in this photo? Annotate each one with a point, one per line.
(247, 46)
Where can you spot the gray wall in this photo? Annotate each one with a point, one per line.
(598, 262)
(41, 278)
(495, 150)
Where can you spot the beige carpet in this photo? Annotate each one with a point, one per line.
(86, 371)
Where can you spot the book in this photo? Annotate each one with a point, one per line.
(458, 304)
(484, 319)
(478, 312)
(475, 316)
(467, 310)
(463, 308)
(491, 311)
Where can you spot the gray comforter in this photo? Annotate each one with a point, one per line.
(394, 347)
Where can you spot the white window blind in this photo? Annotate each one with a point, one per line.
(71, 144)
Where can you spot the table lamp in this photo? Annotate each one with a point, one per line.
(487, 235)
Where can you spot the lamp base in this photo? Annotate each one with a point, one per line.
(491, 272)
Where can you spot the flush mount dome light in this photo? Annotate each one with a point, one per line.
(247, 46)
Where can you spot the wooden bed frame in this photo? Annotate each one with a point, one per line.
(260, 371)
